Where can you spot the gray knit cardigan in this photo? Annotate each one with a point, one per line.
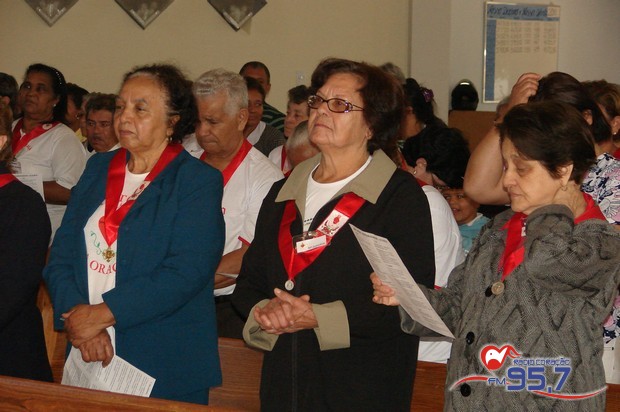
(553, 306)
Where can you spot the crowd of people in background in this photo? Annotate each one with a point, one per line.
(177, 210)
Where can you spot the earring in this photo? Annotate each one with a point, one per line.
(415, 171)
(565, 188)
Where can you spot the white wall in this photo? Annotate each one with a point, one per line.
(588, 49)
(96, 41)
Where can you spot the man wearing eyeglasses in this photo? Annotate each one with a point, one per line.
(100, 124)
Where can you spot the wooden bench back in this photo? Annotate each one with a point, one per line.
(241, 372)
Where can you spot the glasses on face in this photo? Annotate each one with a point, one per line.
(334, 104)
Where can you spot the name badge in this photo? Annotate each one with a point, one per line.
(309, 241)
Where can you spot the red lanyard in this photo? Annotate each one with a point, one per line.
(514, 250)
(235, 162)
(109, 223)
(19, 141)
(294, 263)
(6, 178)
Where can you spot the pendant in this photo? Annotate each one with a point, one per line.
(497, 288)
(108, 254)
(289, 285)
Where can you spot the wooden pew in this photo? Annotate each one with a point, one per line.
(474, 125)
(56, 342)
(239, 392)
(241, 368)
(26, 395)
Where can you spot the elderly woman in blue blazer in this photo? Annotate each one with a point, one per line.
(131, 269)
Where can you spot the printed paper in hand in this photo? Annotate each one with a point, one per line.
(392, 271)
(119, 376)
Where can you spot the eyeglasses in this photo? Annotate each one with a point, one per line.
(334, 104)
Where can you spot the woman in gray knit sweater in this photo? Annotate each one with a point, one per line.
(527, 305)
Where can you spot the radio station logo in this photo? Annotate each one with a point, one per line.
(529, 374)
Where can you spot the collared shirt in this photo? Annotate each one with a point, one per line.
(369, 184)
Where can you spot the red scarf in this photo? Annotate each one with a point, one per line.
(515, 239)
(6, 178)
(111, 220)
(19, 141)
(235, 162)
(294, 263)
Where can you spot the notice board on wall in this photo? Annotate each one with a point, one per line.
(518, 38)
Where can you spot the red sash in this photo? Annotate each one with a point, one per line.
(6, 178)
(19, 141)
(235, 162)
(294, 263)
(514, 250)
(109, 223)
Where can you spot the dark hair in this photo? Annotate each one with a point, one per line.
(253, 84)
(299, 94)
(8, 88)
(76, 94)
(101, 101)
(464, 96)
(59, 86)
(177, 89)
(562, 87)
(382, 96)
(421, 100)
(445, 151)
(256, 65)
(553, 133)
(6, 119)
(606, 94)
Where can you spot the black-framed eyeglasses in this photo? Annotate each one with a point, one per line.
(334, 104)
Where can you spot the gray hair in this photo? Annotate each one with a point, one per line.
(220, 80)
(394, 70)
(299, 137)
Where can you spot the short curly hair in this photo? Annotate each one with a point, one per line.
(382, 96)
(179, 99)
(445, 151)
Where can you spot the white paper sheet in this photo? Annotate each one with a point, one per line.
(34, 181)
(119, 376)
(392, 271)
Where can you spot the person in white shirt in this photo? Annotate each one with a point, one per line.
(438, 160)
(222, 101)
(43, 147)
(297, 148)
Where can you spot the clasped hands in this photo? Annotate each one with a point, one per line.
(86, 330)
(286, 314)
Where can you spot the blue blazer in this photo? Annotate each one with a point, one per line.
(169, 245)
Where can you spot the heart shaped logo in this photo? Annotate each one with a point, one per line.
(493, 357)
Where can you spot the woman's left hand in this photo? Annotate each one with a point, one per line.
(84, 322)
(382, 294)
(98, 349)
(286, 314)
